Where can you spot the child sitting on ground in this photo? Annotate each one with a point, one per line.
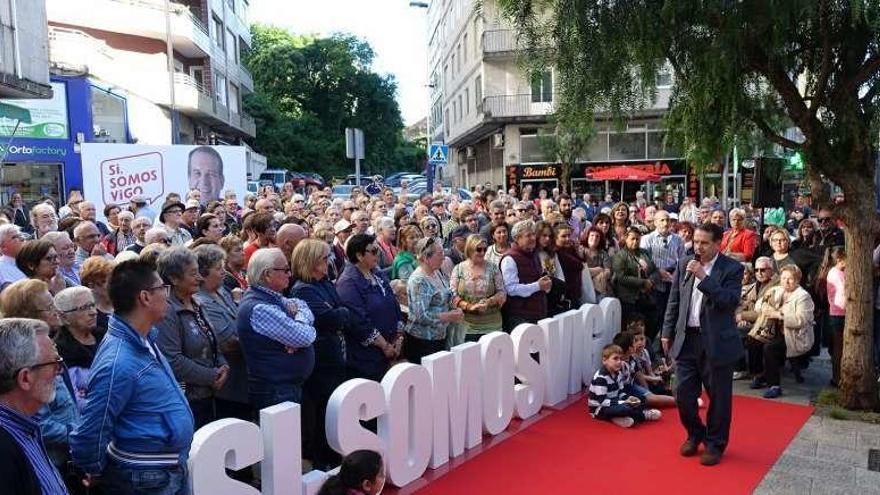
(632, 374)
(608, 401)
(654, 379)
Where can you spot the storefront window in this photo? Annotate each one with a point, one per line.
(627, 146)
(531, 149)
(108, 117)
(597, 150)
(32, 181)
(658, 149)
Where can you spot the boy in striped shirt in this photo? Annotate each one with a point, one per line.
(608, 401)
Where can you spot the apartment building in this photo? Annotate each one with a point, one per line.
(491, 113)
(162, 72)
(24, 71)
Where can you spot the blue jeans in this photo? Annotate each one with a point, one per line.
(622, 410)
(268, 394)
(125, 480)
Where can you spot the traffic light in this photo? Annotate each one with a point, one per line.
(795, 161)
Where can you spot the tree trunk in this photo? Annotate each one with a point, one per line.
(858, 384)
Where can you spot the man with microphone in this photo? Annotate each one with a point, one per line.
(700, 335)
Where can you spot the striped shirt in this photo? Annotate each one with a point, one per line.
(665, 251)
(606, 390)
(273, 322)
(26, 433)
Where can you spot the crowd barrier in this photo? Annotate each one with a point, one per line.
(426, 414)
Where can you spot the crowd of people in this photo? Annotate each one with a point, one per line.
(121, 336)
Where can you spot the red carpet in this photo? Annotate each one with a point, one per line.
(571, 453)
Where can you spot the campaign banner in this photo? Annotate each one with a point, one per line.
(48, 117)
(115, 173)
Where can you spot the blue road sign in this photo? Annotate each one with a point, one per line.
(438, 154)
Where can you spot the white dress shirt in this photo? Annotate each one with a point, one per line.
(697, 296)
(510, 274)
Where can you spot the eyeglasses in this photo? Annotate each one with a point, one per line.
(165, 287)
(85, 307)
(58, 363)
(286, 269)
(763, 269)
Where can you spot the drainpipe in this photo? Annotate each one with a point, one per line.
(169, 49)
(15, 45)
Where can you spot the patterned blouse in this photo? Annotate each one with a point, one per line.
(428, 297)
(472, 288)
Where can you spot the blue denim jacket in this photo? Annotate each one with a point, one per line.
(133, 401)
(57, 419)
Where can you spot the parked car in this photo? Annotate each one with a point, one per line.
(366, 180)
(253, 186)
(342, 191)
(275, 177)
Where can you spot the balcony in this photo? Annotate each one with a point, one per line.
(515, 107)
(248, 126)
(500, 43)
(192, 98)
(189, 34)
(245, 78)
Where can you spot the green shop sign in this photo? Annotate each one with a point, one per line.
(36, 119)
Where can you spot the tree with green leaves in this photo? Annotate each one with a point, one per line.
(740, 67)
(309, 89)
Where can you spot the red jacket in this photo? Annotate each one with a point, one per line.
(745, 242)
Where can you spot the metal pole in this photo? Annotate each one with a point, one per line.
(724, 186)
(169, 49)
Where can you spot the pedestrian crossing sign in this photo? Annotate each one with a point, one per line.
(438, 153)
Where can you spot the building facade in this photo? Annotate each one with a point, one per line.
(177, 64)
(24, 55)
(491, 114)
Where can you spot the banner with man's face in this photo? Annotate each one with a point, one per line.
(115, 173)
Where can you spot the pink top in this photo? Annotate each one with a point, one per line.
(836, 292)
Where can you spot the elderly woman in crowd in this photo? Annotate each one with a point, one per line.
(478, 290)
(95, 275)
(634, 278)
(39, 260)
(221, 311)
(386, 235)
(405, 262)
(597, 260)
(780, 243)
(500, 235)
(276, 333)
(78, 339)
(375, 338)
(738, 242)
(791, 307)
(186, 336)
(68, 267)
(332, 322)
(430, 304)
(765, 278)
(30, 298)
(233, 268)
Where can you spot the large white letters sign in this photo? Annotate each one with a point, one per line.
(426, 414)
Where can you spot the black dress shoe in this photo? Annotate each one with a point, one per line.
(689, 448)
(710, 457)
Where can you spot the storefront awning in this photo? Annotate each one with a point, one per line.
(624, 173)
(14, 112)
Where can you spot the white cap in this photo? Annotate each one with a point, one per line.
(341, 226)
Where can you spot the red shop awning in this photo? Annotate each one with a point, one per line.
(624, 173)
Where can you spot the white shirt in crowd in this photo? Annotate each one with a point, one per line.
(697, 296)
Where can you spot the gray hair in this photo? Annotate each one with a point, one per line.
(154, 233)
(261, 261)
(425, 247)
(209, 256)
(7, 231)
(68, 298)
(172, 262)
(125, 214)
(522, 227)
(81, 227)
(765, 259)
(18, 348)
(737, 212)
(384, 223)
(140, 220)
(55, 236)
(42, 207)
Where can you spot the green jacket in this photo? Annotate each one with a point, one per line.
(403, 265)
(628, 283)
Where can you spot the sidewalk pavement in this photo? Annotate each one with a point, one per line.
(827, 456)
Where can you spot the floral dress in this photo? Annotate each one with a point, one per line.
(467, 286)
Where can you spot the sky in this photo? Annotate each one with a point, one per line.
(395, 31)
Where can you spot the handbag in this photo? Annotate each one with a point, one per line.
(766, 330)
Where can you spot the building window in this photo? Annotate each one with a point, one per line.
(446, 122)
(231, 4)
(454, 69)
(467, 101)
(230, 43)
(218, 32)
(233, 98)
(627, 145)
(478, 92)
(665, 77)
(542, 87)
(460, 109)
(108, 117)
(455, 112)
(445, 76)
(465, 43)
(458, 51)
(220, 88)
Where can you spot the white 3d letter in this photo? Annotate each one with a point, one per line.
(593, 322)
(497, 350)
(406, 427)
(227, 443)
(529, 393)
(282, 467)
(352, 402)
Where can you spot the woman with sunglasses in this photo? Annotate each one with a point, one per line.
(186, 336)
(478, 290)
(333, 322)
(39, 260)
(30, 298)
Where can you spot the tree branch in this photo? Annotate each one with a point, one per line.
(825, 70)
(867, 69)
(772, 135)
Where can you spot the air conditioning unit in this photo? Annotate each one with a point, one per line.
(498, 140)
(469, 152)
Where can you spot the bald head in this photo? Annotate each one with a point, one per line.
(265, 206)
(288, 236)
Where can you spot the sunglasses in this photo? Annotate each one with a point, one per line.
(824, 219)
(480, 250)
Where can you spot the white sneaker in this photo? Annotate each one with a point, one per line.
(739, 375)
(653, 414)
(623, 422)
(700, 402)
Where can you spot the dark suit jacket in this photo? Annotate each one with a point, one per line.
(721, 296)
